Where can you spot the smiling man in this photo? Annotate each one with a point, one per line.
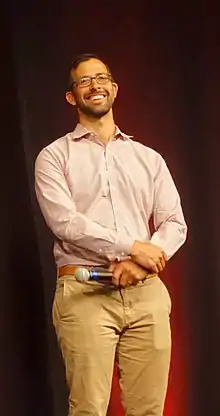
(95, 102)
(97, 189)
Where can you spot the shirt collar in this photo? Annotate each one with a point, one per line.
(81, 132)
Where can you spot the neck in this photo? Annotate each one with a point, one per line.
(104, 127)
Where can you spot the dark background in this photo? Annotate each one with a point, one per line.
(166, 61)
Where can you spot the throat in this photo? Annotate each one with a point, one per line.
(103, 128)
(104, 138)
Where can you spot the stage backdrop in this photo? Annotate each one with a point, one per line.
(166, 61)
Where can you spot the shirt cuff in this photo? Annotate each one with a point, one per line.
(123, 246)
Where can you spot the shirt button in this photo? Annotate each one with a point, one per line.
(100, 250)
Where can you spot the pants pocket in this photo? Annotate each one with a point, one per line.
(166, 297)
(64, 288)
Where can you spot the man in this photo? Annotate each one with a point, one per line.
(97, 189)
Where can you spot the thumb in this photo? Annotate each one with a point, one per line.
(112, 267)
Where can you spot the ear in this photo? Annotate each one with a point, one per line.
(70, 98)
(115, 89)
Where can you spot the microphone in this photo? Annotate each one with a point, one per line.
(99, 275)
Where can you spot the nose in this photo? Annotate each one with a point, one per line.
(94, 82)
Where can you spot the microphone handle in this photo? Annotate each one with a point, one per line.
(99, 274)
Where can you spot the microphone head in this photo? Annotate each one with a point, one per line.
(82, 274)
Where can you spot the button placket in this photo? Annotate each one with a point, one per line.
(113, 191)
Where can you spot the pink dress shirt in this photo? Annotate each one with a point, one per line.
(98, 199)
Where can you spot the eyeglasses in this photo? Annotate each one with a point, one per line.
(86, 81)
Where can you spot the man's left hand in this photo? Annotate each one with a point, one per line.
(126, 273)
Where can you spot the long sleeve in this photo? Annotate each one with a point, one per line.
(170, 226)
(59, 211)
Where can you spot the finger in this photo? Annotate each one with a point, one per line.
(116, 275)
(155, 268)
(112, 266)
(160, 266)
(141, 275)
(162, 261)
(135, 280)
(164, 257)
(125, 279)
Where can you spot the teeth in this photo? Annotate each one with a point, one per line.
(97, 97)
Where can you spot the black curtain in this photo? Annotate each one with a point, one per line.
(25, 375)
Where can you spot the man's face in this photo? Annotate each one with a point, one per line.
(93, 96)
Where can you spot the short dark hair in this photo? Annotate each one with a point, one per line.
(78, 60)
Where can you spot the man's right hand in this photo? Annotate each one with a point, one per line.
(148, 256)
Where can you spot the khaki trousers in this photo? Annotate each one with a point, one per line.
(94, 324)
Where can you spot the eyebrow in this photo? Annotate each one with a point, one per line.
(98, 73)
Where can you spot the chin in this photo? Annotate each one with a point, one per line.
(101, 114)
(97, 113)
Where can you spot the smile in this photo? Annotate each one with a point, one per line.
(96, 97)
